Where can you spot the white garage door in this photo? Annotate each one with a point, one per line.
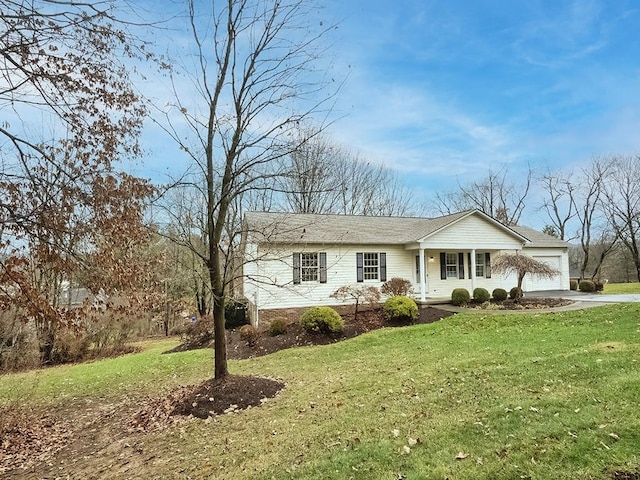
(536, 283)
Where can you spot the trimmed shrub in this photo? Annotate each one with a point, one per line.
(599, 285)
(587, 286)
(460, 296)
(249, 334)
(499, 294)
(396, 287)
(322, 320)
(277, 326)
(573, 284)
(481, 295)
(400, 309)
(513, 293)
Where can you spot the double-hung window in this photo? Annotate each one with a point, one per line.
(371, 266)
(452, 265)
(480, 266)
(309, 267)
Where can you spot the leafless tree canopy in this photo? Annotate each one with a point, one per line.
(497, 195)
(322, 177)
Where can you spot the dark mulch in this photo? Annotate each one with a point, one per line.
(237, 392)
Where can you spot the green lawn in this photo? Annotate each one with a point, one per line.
(540, 396)
(622, 288)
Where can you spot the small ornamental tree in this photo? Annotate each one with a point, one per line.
(520, 265)
(358, 294)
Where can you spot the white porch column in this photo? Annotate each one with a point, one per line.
(423, 277)
(473, 270)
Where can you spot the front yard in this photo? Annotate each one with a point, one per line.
(474, 396)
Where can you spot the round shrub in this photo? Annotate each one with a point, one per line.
(573, 284)
(499, 294)
(277, 326)
(515, 292)
(481, 295)
(587, 286)
(400, 309)
(460, 296)
(249, 334)
(322, 320)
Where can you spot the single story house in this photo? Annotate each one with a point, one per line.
(297, 260)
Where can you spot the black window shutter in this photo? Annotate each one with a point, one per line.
(323, 267)
(383, 267)
(418, 269)
(443, 266)
(296, 268)
(469, 263)
(460, 265)
(487, 265)
(359, 267)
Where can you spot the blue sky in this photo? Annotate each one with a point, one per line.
(444, 90)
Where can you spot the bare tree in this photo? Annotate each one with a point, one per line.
(622, 206)
(520, 265)
(559, 202)
(593, 227)
(257, 80)
(496, 195)
(323, 177)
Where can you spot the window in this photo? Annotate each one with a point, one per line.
(371, 266)
(480, 265)
(452, 265)
(310, 267)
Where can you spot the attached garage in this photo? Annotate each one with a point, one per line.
(536, 283)
(553, 252)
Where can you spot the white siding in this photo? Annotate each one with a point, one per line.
(275, 287)
(472, 232)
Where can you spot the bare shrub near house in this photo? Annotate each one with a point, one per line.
(359, 294)
(397, 287)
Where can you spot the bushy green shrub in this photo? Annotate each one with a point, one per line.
(277, 326)
(249, 334)
(573, 284)
(481, 295)
(396, 287)
(322, 320)
(499, 294)
(587, 286)
(515, 292)
(400, 309)
(460, 296)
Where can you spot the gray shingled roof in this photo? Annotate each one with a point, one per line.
(538, 239)
(359, 229)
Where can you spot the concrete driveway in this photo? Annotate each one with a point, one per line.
(586, 297)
